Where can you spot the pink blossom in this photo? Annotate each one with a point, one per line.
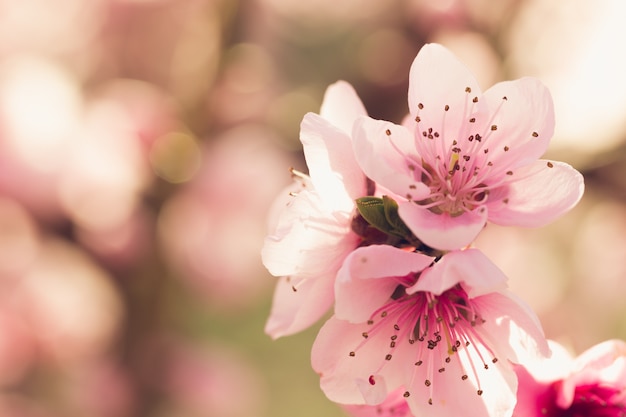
(444, 329)
(591, 385)
(469, 157)
(313, 233)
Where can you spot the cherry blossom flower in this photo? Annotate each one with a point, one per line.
(591, 385)
(443, 328)
(469, 156)
(313, 232)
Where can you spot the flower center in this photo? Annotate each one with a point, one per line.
(457, 165)
(447, 195)
(439, 328)
(595, 401)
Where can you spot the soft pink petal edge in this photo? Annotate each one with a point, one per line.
(442, 231)
(295, 310)
(545, 191)
(342, 105)
(470, 268)
(333, 168)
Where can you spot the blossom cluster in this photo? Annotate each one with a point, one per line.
(380, 232)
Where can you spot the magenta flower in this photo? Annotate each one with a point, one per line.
(592, 385)
(445, 330)
(469, 156)
(313, 233)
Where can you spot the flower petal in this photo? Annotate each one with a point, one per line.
(333, 169)
(452, 396)
(386, 154)
(471, 268)
(442, 231)
(393, 406)
(342, 373)
(545, 191)
(341, 106)
(308, 241)
(517, 116)
(367, 279)
(511, 327)
(439, 81)
(297, 304)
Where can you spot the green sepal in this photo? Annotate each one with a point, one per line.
(398, 227)
(382, 213)
(372, 209)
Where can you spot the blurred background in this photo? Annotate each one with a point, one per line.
(143, 141)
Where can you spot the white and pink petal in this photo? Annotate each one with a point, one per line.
(537, 195)
(369, 276)
(443, 231)
(341, 106)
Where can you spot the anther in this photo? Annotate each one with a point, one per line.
(472, 120)
(370, 322)
(494, 360)
(506, 149)
(494, 127)
(392, 344)
(406, 394)
(396, 327)
(468, 90)
(352, 354)
(420, 106)
(535, 134)
(417, 119)
(550, 164)
(475, 100)
(388, 132)
(371, 380)
(388, 357)
(418, 363)
(441, 370)
(427, 383)
(365, 335)
(294, 289)
(464, 377)
(509, 173)
(504, 98)
(383, 314)
(446, 108)
(479, 392)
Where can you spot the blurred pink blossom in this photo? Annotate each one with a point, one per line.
(448, 337)
(201, 226)
(471, 157)
(212, 381)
